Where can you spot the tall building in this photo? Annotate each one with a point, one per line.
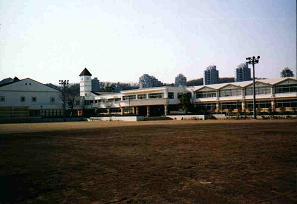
(211, 75)
(243, 72)
(85, 82)
(95, 85)
(147, 81)
(180, 80)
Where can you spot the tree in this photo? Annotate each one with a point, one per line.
(185, 101)
(286, 72)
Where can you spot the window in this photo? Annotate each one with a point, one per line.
(259, 90)
(230, 92)
(34, 99)
(206, 94)
(141, 96)
(231, 105)
(259, 104)
(287, 103)
(155, 95)
(23, 99)
(286, 88)
(171, 95)
(117, 99)
(2, 98)
(52, 99)
(130, 97)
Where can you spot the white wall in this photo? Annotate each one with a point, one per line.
(29, 88)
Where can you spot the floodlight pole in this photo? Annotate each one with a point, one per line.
(253, 60)
(64, 83)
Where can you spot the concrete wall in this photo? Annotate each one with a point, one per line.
(187, 117)
(118, 118)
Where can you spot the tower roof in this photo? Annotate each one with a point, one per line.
(85, 72)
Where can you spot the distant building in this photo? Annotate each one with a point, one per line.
(226, 80)
(26, 97)
(147, 81)
(96, 85)
(180, 80)
(286, 72)
(211, 75)
(85, 82)
(243, 73)
(195, 82)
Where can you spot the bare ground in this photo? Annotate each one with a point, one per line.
(149, 162)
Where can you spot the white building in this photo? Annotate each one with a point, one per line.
(272, 95)
(27, 97)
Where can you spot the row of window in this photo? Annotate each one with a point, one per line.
(249, 105)
(248, 91)
(144, 96)
(23, 99)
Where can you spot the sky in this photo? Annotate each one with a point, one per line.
(121, 40)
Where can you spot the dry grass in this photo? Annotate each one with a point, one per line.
(149, 162)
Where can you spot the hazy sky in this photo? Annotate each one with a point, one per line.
(121, 40)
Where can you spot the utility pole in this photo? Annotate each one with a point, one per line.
(253, 60)
(64, 83)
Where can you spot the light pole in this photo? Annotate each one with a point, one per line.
(253, 60)
(64, 83)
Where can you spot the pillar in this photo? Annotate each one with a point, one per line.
(147, 111)
(217, 107)
(137, 110)
(108, 111)
(133, 110)
(243, 106)
(273, 105)
(165, 109)
(122, 111)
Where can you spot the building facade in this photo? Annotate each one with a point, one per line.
(211, 75)
(272, 95)
(147, 81)
(243, 73)
(180, 80)
(27, 97)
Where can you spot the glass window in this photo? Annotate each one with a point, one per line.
(231, 105)
(171, 95)
(130, 97)
(52, 99)
(287, 103)
(230, 92)
(34, 99)
(259, 104)
(141, 96)
(206, 94)
(23, 99)
(286, 88)
(2, 98)
(259, 90)
(156, 95)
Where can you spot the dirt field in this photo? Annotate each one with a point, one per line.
(149, 162)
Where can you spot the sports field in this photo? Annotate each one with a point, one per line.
(149, 162)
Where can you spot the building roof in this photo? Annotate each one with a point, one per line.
(243, 83)
(85, 72)
(15, 79)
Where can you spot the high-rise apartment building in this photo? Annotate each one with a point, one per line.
(243, 73)
(211, 75)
